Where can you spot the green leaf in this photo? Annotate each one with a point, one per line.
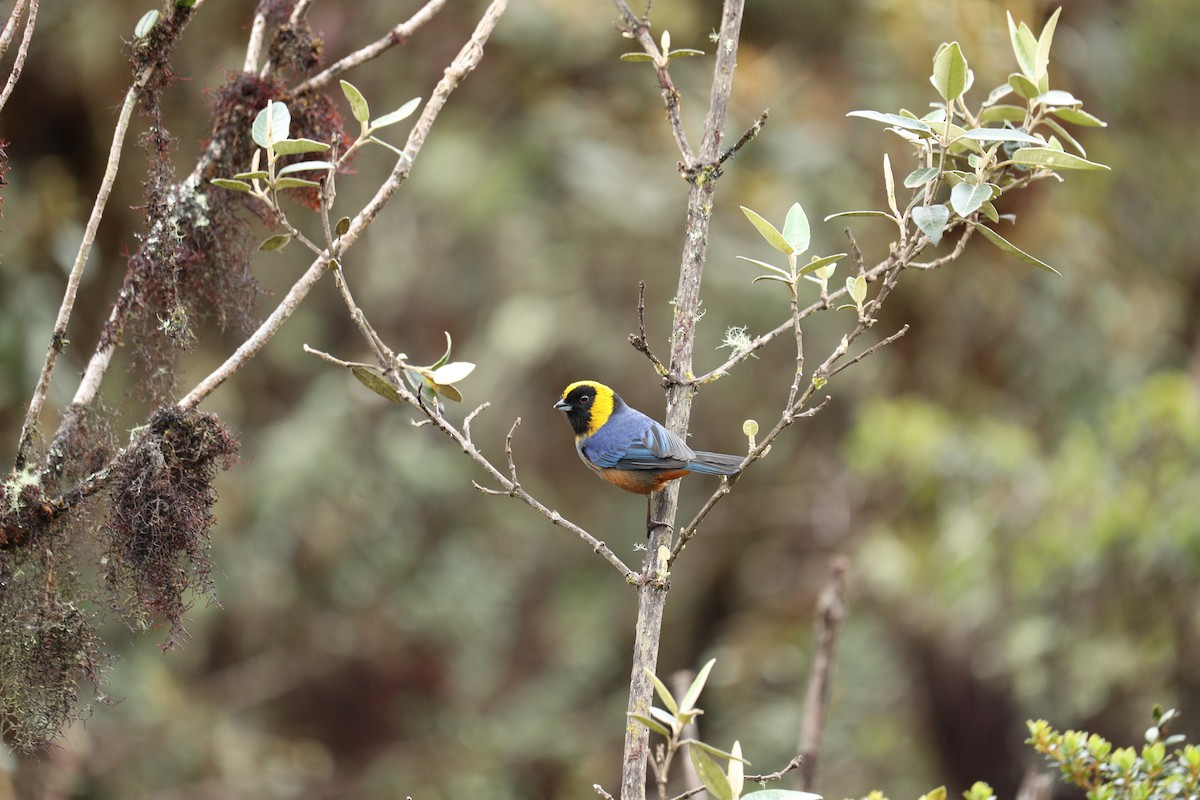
(817, 263)
(920, 177)
(950, 71)
(1024, 48)
(453, 372)
(651, 724)
(1057, 97)
(305, 166)
(736, 772)
(795, 229)
(226, 183)
(688, 703)
(780, 278)
(358, 103)
(636, 57)
(995, 95)
(1003, 113)
(292, 147)
(782, 794)
(342, 226)
(781, 271)
(953, 177)
(894, 120)
(1077, 116)
(446, 355)
(1062, 132)
(682, 52)
(768, 231)
(1053, 159)
(256, 175)
(271, 125)
(1012, 249)
(445, 390)
(989, 211)
(1002, 135)
(403, 112)
(666, 718)
(664, 693)
(711, 775)
(276, 242)
(867, 213)
(295, 183)
(857, 287)
(889, 185)
(966, 199)
(1023, 86)
(145, 24)
(377, 384)
(1042, 58)
(932, 220)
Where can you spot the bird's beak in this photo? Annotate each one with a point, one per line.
(563, 405)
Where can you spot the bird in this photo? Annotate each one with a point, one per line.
(629, 449)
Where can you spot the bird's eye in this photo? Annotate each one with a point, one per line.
(585, 399)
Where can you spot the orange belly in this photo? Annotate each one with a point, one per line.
(641, 481)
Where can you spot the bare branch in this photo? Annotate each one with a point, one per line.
(10, 27)
(254, 45)
(397, 35)
(747, 137)
(881, 343)
(22, 50)
(639, 29)
(827, 622)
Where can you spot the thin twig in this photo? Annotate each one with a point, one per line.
(471, 418)
(856, 251)
(397, 35)
(639, 29)
(747, 137)
(22, 52)
(827, 622)
(774, 776)
(881, 343)
(638, 340)
(600, 791)
(952, 255)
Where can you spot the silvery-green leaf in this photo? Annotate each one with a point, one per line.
(145, 24)
(403, 112)
(358, 103)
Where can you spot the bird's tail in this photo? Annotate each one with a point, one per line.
(715, 463)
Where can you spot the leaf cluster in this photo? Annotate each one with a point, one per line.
(1163, 769)
(970, 156)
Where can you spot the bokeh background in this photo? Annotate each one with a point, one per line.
(1015, 482)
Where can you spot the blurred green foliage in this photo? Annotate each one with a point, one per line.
(1015, 478)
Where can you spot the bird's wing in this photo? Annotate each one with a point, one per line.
(657, 448)
(631, 440)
